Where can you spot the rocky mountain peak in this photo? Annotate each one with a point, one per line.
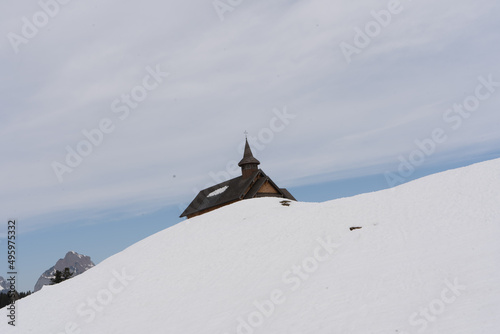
(3, 285)
(77, 264)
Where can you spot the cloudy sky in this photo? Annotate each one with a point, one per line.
(115, 113)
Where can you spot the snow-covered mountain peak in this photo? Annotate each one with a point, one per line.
(77, 264)
(3, 285)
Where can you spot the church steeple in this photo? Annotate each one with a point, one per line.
(248, 164)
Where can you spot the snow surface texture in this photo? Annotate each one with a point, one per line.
(77, 264)
(218, 191)
(426, 260)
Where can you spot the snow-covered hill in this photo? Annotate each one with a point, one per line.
(425, 260)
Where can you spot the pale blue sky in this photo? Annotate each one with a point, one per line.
(350, 121)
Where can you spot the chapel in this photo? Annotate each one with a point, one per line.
(252, 183)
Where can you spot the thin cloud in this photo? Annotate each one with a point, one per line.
(226, 77)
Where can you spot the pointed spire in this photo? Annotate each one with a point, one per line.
(248, 157)
(249, 165)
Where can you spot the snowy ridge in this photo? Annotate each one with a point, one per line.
(425, 260)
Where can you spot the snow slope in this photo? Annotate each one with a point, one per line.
(426, 260)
